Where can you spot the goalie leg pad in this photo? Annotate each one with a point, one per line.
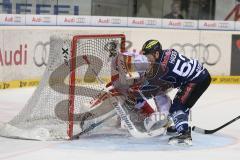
(155, 121)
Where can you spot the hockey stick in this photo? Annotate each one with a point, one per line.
(131, 127)
(123, 115)
(205, 131)
(92, 126)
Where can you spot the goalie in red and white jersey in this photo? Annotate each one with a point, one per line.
(128, 70)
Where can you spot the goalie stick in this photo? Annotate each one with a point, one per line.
(205, 131)
(92, 126)
(124, 117)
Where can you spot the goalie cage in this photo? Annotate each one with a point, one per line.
(58, 105)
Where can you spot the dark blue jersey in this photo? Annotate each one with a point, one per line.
(173, 70)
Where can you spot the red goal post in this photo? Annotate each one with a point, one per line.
(73, 66)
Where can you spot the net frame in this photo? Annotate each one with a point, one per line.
(72, 79)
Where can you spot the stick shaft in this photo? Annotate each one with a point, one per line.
(205, 131)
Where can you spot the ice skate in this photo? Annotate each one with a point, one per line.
(181, 139)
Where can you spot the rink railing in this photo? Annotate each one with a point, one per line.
(71, 20)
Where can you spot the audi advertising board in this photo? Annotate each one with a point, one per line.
(206, 46)
(26, 56)
(217, 51)
(16, 57)
(216, 25)
(179, 24)
(144, 22)
(69, 20)
(237, 25)
(12, 19)
(1, 56)
(48, 20)
(200, 51)
(108, 21)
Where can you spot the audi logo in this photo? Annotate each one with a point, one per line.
(209, 54)
(40, 54)
(223, 25)
(81, 20)
(151, 22)
(116, 21)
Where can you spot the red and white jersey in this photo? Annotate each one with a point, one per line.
(128, 74)
(127, 69)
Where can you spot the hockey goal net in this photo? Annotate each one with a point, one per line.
(68, 87)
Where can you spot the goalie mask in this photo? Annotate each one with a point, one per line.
(112, 48)
(132, 65)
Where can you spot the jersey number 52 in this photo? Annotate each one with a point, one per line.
(183, 67)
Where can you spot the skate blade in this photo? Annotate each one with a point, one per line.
(186, 142)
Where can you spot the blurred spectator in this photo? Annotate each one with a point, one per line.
(175, 11)
(185, 8)
(193, 9)
(201, 9)
(204, 9)
(143, 8)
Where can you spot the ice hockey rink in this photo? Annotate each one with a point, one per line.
(218, 105)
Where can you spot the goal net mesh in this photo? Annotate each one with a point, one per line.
(67, 89)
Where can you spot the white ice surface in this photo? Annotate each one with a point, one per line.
(218, 105)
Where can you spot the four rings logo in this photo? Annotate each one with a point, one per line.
(116, 21)
(81, 20)
(151, 22)
(209, 54)
(40, 54)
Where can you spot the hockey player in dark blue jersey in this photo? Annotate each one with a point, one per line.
(169, 69)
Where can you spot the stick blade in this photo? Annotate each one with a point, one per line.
(198, 130)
